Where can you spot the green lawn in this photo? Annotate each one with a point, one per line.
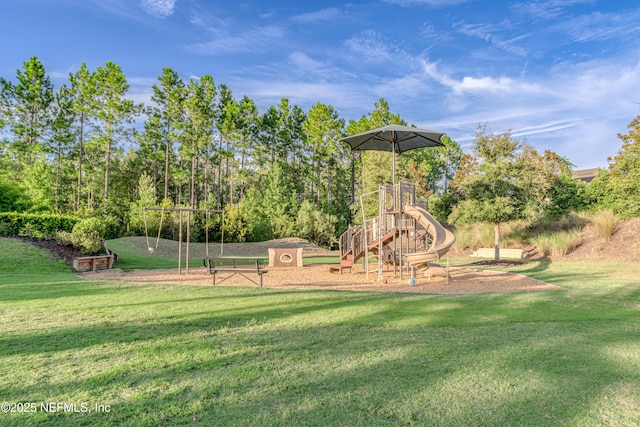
(171, 355)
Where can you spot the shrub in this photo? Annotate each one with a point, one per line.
(316, 226)
(515, 233)
(441, 206)
(34, 225)
(88, 245)
(236, 224)
(605, 222)
(94, 227)
(558, 243)
(465, 238)
(30, 231)
(542, 242)
(564, 242)
(485, 234)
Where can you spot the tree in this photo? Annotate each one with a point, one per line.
(227, 123)
(6, 94)
(620, 185)
(316, 226)
(61, 139)
(434, 168)
(491, 187)
(167, 116)
(200, 113)
(323, 128)
(32, 97)
(247, 128)
(82, 89)
(236, 224)
(278, 202)
(139, 221)
(551, 188)
(112, 111)
(376, 164)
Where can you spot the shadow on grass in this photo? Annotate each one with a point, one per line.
(248, 356)
(247, 373)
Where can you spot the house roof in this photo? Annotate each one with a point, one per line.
(585, 175)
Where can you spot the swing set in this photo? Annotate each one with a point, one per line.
(189, 211)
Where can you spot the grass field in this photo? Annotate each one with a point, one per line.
(173, 355)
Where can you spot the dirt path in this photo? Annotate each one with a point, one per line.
(463, 281)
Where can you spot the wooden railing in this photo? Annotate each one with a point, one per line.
(351, 241)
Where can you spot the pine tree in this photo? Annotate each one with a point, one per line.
(112, 112)
(32, 97)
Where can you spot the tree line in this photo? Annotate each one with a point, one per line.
(85, 148)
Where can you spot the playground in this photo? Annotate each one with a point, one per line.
(399, 247)
(462, 280)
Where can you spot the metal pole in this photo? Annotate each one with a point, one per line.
(381, 227)
(366, 243)
(188, 239)
(206, 235)
(180, 245)
(222, 238)
(400, 208)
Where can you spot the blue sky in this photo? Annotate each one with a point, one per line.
(562, 74)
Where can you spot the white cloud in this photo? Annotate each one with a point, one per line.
(253, 40)
(602, 26)
(303, 62)
(318, 16)
(426, 2)
(159, 8)
(370, 46)
(546, 9)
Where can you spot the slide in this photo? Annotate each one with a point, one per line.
(442, 240)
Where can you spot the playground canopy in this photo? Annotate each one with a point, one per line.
(394, 138)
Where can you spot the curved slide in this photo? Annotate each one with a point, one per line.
(442, 240)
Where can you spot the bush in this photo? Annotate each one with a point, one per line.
(485, 234)
(441, 206)
(605, 222)
(94, 227)
(88, 245)
(558, 243)
(564, 242)
(316, 226)
(236, 224)
(465, 239)
(12, 198)
(29, 231)
(34, 225)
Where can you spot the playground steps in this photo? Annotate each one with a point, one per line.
(352, 249)
(346, 261)
(388, 237)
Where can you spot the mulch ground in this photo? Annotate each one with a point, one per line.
(466, 280)
(318, 277)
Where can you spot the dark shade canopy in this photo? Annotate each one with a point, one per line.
(394, 138)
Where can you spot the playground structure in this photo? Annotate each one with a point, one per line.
(402, 234)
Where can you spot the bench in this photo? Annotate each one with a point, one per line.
(217, 265)
(93, 263)
(505, 253)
